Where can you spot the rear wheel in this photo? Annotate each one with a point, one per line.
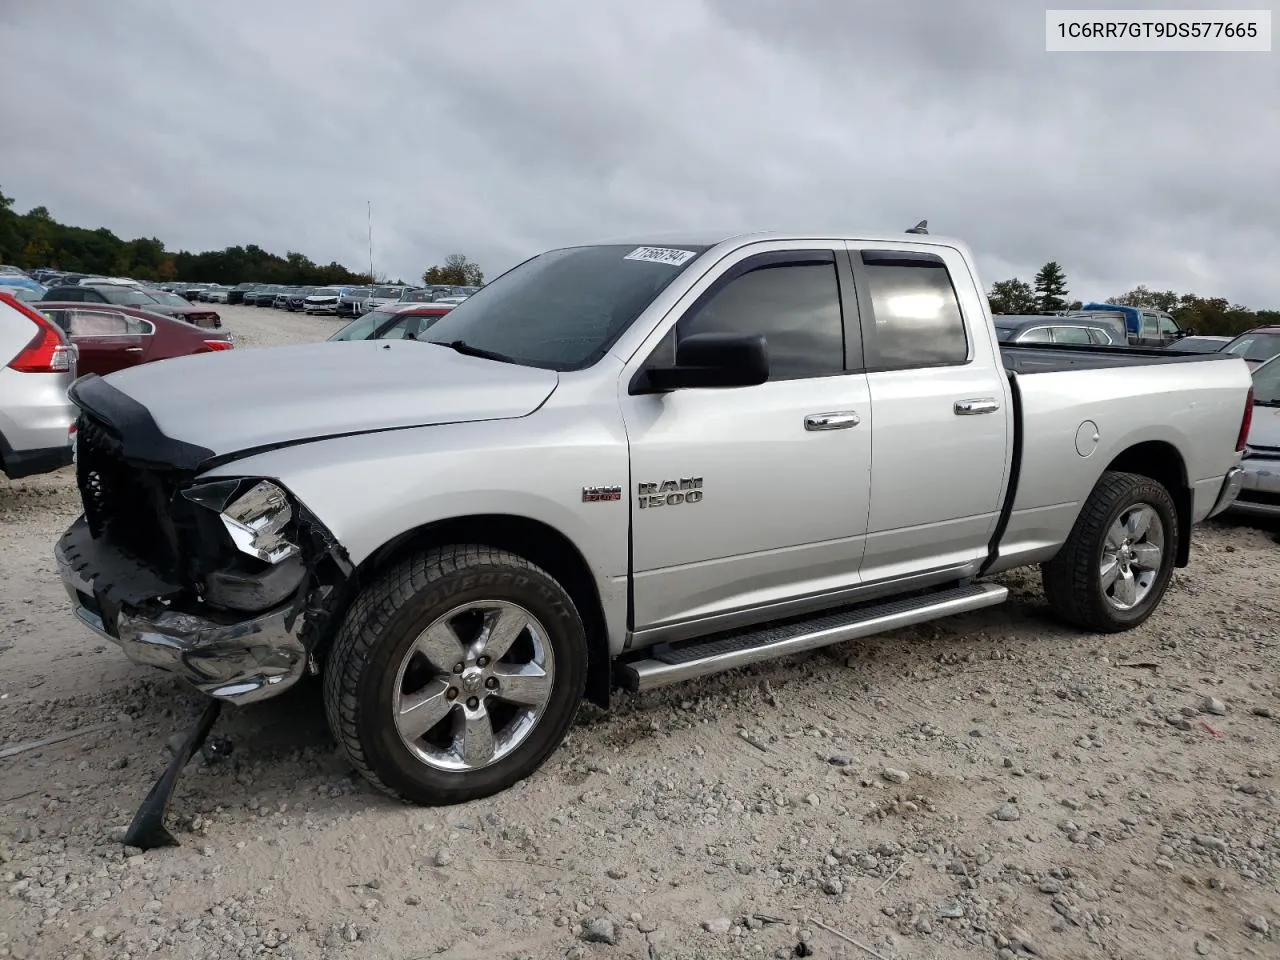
(455, 674)
(1118, 561)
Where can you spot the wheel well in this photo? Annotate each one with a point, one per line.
(1162, 463)
(538, 543)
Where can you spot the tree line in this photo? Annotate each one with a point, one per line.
(34, 239)
(1208, 316)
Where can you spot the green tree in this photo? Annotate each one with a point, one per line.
(35, 239)
(1012, 297)
(1140, 296)
(1051, 288)
(457, 271)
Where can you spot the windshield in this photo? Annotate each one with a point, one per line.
(1266, 384)
(159, 296)
(416, 296)
(1254, 346)
(359, 292)
(363, 328)
(326, 292)
(386, 293)
(1005, 333)
(563, 309)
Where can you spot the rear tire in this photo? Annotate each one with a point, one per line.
(455, 674)
(1118, 560)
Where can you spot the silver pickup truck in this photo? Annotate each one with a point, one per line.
(627, 463)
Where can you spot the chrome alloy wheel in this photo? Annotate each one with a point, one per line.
(1132, 556)
(473, 685)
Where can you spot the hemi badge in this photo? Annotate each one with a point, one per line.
(598, 494)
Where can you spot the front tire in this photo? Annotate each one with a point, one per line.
(1118, 561)
(455, 674)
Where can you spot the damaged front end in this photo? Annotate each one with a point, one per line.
(229, 583)
(225, 582)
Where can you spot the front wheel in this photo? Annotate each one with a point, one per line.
(455, 674)
(1117, 563)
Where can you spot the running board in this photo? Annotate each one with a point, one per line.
(698, 658)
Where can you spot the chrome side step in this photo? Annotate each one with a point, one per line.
(698, 658)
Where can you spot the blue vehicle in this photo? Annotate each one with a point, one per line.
(1145, 326)
(14, 282)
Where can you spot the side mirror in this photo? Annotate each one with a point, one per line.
(710, 360)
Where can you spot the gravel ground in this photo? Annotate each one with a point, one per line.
(988, 786)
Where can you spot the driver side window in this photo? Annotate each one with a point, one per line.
(796, 308)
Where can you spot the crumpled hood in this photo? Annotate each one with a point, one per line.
(232, 401)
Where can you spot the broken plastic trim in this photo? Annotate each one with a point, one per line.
(147, 830)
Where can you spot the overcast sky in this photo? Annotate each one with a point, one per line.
(501, 127)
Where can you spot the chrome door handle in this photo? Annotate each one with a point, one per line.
(840, 420)
(132, 349)
(968, 408)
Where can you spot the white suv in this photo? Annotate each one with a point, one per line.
(37, 365)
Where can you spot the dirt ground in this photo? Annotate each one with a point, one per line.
(989, 786)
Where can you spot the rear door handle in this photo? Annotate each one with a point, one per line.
(839, 420)
(132, 349)
(968, 408)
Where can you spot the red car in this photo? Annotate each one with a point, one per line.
(111, 337)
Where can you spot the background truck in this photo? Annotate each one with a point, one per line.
(1143, 326)
(627, 463)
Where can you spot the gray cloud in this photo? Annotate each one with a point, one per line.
(504, 127)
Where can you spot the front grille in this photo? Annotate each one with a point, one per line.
(128, 505)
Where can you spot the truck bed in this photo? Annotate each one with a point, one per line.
(1046, 358)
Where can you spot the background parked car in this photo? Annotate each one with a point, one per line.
(350, 304)
(1199, 344)
(236, 293)
(1012, 328)
(323, 300)
(296, 299)
(393, 322)
(155, 301)
(37, 365)
(1260, 494)
(381, 295)
(1144, 326)
(25, 294)
(214, 294)
(112, 337)
(1257, 346)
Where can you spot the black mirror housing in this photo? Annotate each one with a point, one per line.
(710, 360)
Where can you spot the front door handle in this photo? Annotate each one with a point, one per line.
(132, 349)
(840, 420)
(968, 408)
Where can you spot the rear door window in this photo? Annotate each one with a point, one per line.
(915, 312)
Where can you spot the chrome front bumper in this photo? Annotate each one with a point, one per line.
(1259, 488)
(240, 661)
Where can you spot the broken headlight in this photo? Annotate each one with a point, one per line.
(257, 515)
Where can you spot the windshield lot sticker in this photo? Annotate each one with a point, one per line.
(674, 258)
